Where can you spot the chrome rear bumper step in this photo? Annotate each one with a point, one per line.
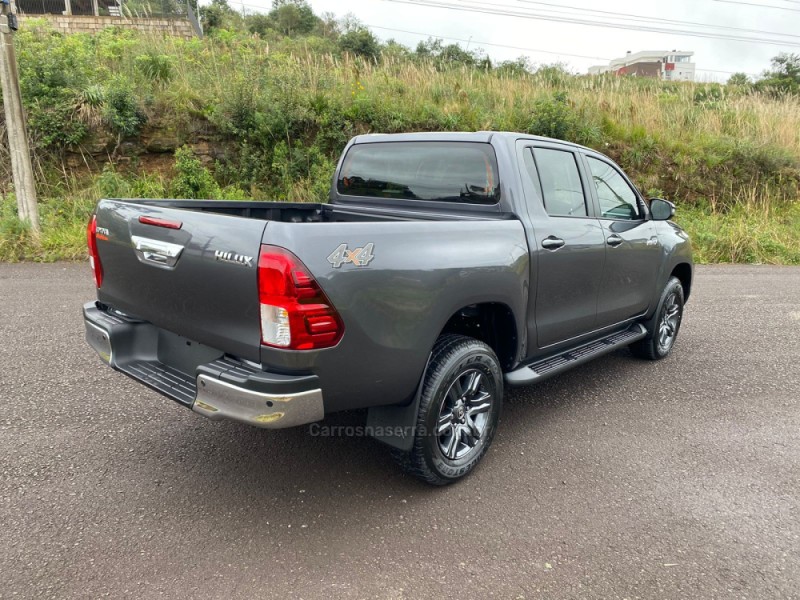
(214, 386)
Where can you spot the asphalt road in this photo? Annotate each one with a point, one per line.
(620, 479)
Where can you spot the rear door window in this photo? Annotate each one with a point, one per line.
(561, 183)
(463, 172)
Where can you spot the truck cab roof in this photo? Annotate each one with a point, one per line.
(484, 137)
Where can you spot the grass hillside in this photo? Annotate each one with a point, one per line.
(264, 116)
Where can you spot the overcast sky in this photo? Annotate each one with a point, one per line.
(564, 40)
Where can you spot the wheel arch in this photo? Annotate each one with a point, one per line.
(683, 271)
(493, 323)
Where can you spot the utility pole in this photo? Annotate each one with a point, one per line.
(21, 169)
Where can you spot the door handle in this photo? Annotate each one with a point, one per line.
(156, 252)
(614, 240)
(552, 243)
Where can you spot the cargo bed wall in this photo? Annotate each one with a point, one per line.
(201, 297)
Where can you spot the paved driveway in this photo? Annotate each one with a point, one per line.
(620, 479)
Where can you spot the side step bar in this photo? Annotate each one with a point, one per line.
(559, 363)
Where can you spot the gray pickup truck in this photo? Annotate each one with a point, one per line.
(445, 267)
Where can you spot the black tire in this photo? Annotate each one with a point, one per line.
(663, 327)
(444, 452)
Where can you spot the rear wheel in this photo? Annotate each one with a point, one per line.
(662, 329)
(458, 413)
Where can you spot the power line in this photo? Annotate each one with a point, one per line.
(644, 18)
(511, 47)
(453, 39)
(577, 21)
(759, 5)
(481, 6)
(474, 41)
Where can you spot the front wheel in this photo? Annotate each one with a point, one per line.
(459, 409)
(662, 329)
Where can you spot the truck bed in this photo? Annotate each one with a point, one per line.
(189, 267)
(299, 212)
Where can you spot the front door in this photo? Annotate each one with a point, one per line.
(632, 248)
(568, 248)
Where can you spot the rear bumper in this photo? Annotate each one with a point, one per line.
(212, 384)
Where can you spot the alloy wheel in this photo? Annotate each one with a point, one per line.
(464, 415)
(670, 320)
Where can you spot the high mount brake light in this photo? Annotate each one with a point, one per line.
(295, 312)
(94, 256)
(145, 220)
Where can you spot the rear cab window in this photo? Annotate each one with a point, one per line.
(458, 172)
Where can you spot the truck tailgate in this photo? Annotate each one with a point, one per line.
(189, 272)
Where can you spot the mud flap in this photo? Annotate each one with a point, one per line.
(395, 425)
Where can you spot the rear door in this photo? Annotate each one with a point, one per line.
(632, 247)
(568, 247)
(189, 272)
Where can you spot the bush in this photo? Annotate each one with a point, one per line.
(121, 110)
(111, 184)
(15, 237)
(360, 42)
(555, 117)
(156, 67)
(192, 179)
(53, 69)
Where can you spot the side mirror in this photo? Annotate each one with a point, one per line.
(662, 210)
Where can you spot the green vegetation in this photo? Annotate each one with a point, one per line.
(783, 78)
(261, 108)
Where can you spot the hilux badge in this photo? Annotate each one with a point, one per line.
(359, 257)
(232, 257)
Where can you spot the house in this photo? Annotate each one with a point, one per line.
(674, 65)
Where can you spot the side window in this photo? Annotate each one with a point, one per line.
(617, 199)
(561, 183)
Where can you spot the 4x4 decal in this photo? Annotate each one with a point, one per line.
(359, 257)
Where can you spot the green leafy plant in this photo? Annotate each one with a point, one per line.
(156, 67)
(121, 110)
(192, 179)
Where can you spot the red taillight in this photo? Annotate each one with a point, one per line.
(94, 257)
(295, 312)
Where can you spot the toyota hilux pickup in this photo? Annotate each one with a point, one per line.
(445, 268)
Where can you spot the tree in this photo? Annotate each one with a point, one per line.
(393, 48)
(292, 17)
(741, 79)
(515, 68)
(217, 15)
(430, 48)
(258, 23)
(451, 55)
(360, 42)
(784, 76)
(328, 26)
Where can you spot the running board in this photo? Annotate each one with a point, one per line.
(559, 363)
